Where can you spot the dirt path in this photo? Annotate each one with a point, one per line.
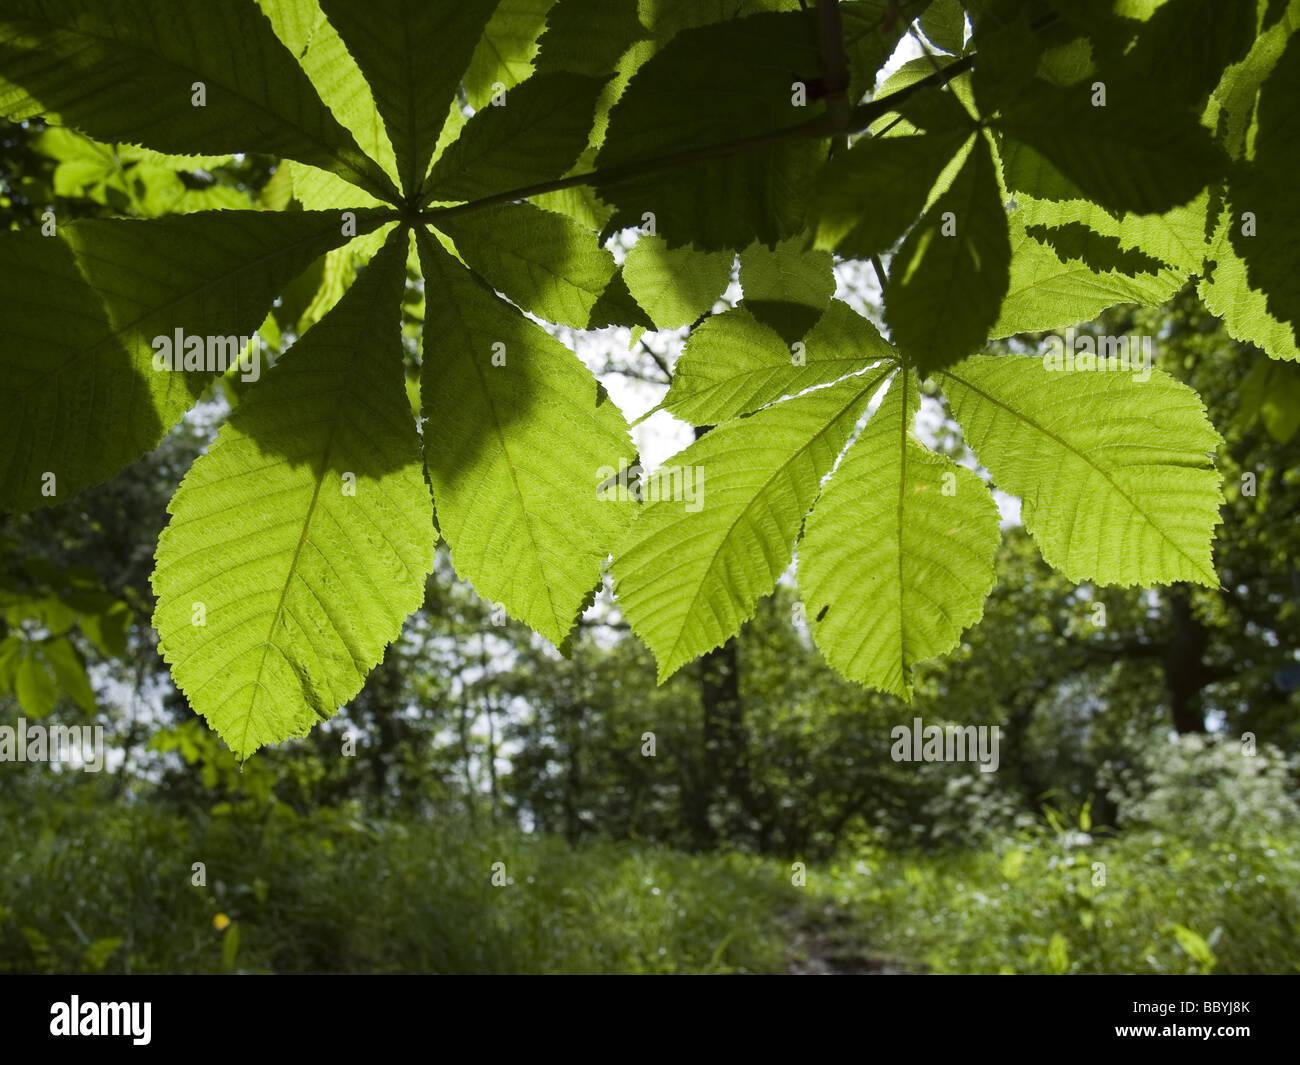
(825, 946)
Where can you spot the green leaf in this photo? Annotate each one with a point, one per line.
(1025, 170)
(1193, 945)
(869, 195)
(1045, 293)
(294, 22)
(617, 307)
(338, 81)
(944, 24)
(138, 181)
(545, 262)
(1114, 474)
(505, 52)
(1058, 953)
(713, 85)
(304, 531)
(56, 615)
(872, 29)
(897, 557)
(413, 53)
(586, 38)
(664, 19)
(1075, 242)
(230, 946)
(1231, 110)
(1176, 237)
(83, 308)
(1139, 152)
(690, 573)
(1271, 394)
(319, 190)
(1226, 292)
(70, 672)
(579, 202)
(1185, 46)
(535, 135)
(98, 953)
(933, 108)
(127, 70)
(11, 653)
(33, 684)
(1265, 187)
(675, 286)
(733, 364)
(514, 450)
(956, 258)
(107, 630)
(787, 287)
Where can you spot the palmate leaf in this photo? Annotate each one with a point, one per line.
(1270, 394)
(786, 287)
(944, 24)
(295, 22)
(1043, 292)
(545, 262)
(1075, 242)
(1226, 292)
(123, 71)
(897, 557)
(1114, 474)
(77, 378)
(1140, 152)
(617, 307)
(514, 450)
(1231, 110)
(504, 55)
(133, 180)
(675, 286)
(34, 684)
(689, 575)
(412, 53)
(534, 135)
(334, 75)
(958, 258)
(1265, 187)
(1175, 238)
(707, 86)
(932, 108)
(869, 195)
(733, 364)
(872, 29)
(305, 532)
(1186, 44)
(586, 38)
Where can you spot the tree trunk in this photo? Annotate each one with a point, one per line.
(1184, 662)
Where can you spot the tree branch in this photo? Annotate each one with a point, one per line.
(835, 69)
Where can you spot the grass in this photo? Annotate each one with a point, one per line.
(1044, 902)
(113, 889)
(94, 886)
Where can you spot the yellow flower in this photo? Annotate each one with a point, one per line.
(221, 922)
